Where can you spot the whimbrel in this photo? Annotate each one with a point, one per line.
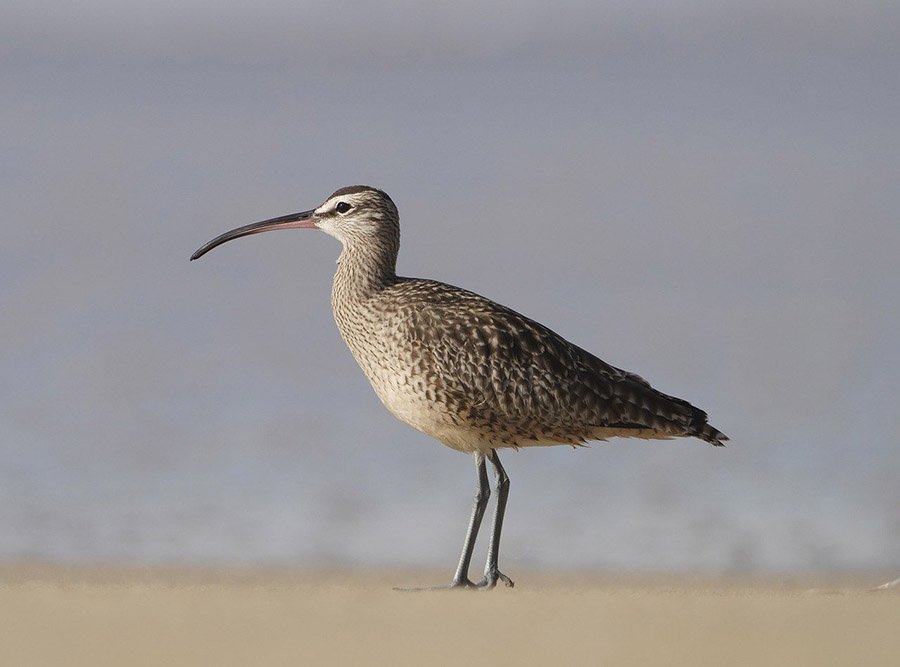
(472, 374)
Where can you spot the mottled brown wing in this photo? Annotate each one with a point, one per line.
(500, 366)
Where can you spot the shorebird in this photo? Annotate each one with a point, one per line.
(472, 374)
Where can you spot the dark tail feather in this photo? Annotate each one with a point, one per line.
(695, 424)
(711, 434)
(700, 428)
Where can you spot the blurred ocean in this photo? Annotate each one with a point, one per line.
(368, 494)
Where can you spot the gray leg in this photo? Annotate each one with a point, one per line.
(492, 572)
(461, 578)
(482, 495)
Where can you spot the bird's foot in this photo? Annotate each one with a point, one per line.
(491, 577)
(456, 584)
(489, 581)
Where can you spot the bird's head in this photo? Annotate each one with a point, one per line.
(358, 213)
(355, 214)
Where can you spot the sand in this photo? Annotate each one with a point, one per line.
(59, 616)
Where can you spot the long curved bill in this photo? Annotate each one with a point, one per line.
(303, 220)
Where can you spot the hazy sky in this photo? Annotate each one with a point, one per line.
(704, 193)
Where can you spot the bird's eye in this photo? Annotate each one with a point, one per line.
(342, 207)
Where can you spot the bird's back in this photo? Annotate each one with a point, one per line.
(477, 375)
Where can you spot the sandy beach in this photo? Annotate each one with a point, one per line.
(91, 616)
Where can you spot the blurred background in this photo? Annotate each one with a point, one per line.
(705, 193)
